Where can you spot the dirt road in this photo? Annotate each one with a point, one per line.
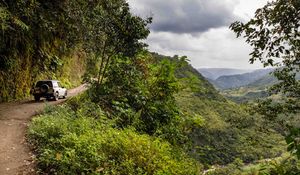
(15, 155)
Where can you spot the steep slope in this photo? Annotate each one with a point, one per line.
(214, 73)
(234, 81)
(38, 42)
(253, 91)
(194, 122)
(264, 81)
(228, 131)
(17, 80)
(267, 81)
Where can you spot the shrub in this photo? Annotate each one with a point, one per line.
(283, 166)
(68, 143)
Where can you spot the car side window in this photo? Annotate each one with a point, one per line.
(49, 84)
(59, 84)
(39, 84)
(55, 84)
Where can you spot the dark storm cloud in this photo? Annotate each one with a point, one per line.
(186, 16)
(199, 30)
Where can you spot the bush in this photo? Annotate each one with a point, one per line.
(282, 166)
(233, 169)
(68, 143)
(279, 166)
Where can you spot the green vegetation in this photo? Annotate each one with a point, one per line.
(144, 113)
(71, 142)
(141, 125)
(54, 39)
(139, 92)
(229, 131)
(168, 103)
(257, 90)
(34, 46)
(246, 94)
(281, 166)
(274, 35)
(238, 80)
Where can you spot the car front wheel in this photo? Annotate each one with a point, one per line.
(56, 96)
(65, 95)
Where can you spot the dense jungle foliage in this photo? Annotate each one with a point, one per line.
(274, 36)
(167, 102)
(228, 131)
(83, 140)
(55, 39)
(143, 113)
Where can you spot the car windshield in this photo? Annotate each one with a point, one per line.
(40, 83)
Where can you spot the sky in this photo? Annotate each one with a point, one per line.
(199, 29)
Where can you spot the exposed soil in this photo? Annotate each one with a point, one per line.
(15, 154)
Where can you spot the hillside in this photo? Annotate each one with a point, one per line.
(33, 47)
(229, 131)
(234, 81)
(61, 40)
(143, 113)
(265, 81)
(214, 73)
(196, 126)
(253, 91)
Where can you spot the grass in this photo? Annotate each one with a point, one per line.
(68, 142)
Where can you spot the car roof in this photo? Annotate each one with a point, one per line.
(50, 80)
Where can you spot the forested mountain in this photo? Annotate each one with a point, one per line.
(259, 89)
(267, 81)
(195, 124)
(227, 127)
(234, 81)
(214, 73)
(143, 113)
(246, 87)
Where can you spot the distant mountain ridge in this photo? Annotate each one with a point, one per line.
(234, 81)
(243, 79)
(214, 73)
(265, 81)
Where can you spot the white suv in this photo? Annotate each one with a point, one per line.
(48, 89)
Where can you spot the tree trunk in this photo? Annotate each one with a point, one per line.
(102, 64)
(105, 68)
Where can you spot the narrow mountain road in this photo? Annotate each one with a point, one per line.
(15, 155)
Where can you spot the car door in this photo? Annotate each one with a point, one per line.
(56, 87)
(61, 89)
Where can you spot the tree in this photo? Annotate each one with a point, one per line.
(37, 34)
(113, 30)
(275, 37)
(34, 36)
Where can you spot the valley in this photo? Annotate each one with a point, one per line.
(136, 107)
(245, 87)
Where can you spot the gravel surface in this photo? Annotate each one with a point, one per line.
(15, 154)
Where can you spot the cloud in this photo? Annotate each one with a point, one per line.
(213, 48)
(245, 9)
(199, 30)
(186, 16)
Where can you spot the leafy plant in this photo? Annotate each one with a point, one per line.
(70, 143)
(275, 37)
